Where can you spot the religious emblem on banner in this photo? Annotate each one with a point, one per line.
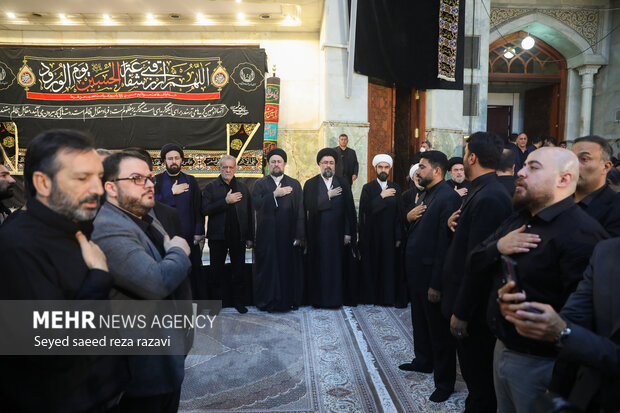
(9, 145)
(6, 76)
(247, 77)
(219, 78)
(25, 77)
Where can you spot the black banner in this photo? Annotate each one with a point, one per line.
(135, 96)
(398, 41)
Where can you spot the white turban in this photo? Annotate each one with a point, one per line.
(381, 158)
(412, 170)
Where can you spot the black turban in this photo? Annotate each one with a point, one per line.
(170, 147)
(276, 151)
(455, 161)
(326, 152)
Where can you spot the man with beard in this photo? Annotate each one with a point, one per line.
(427, 242)
(331, 225)
(464, 297)
(347, 166)
(146, 265)
(227, 203)
(457, 172)
(548, 243)
(7, 184)
(380, 234)
(46, 256)
(506, 170)
(593, 194)
(280, 234)
(181, 191)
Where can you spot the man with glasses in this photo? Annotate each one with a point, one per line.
(328, 202)
(145, 264)
(181, 191)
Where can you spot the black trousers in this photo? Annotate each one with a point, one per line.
(433, 343)
(476, 361)
(161, 403)
(236, 249)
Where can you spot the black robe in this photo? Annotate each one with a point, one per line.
(328, 222)
(278, 265)
(380, 226)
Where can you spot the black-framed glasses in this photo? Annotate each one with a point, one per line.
(138, 179)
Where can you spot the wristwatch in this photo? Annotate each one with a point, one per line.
(559, 340)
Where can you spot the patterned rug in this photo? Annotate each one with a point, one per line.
(303, 361)
(388, 334)
(309, 360)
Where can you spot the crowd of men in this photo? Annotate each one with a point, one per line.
(514, 277)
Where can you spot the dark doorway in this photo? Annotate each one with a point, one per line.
(537, 111)
(499, 120)
(396, 117)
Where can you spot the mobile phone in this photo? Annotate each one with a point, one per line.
(509, 267)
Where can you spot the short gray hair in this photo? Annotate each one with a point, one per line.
(226, 158)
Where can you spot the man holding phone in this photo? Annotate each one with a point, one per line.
(550, 239)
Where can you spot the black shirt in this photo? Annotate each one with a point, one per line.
(548, 273)
(232, 230)
(146, 224)
(41, 259)
(509, 183)
(604, 206)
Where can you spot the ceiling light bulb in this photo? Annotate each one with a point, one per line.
(11, 15)
(509, 53)
(240, 16)
(201, 19)
(106, 18)
(238, 1)
(528, 42)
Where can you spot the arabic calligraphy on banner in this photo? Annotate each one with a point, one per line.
(134, 96)
(122, 78)
(118, 111)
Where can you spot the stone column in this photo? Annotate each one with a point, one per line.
(587, 73)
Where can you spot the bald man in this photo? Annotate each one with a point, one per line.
(548, 242)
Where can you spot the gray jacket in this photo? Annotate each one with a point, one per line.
(134, 262)
(140, 272)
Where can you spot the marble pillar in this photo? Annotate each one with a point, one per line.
(587, 73)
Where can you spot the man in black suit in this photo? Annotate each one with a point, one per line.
(593, 194)
(426, 244)
(227, 203)
(347, 166)
(587, 332)
(463, 301)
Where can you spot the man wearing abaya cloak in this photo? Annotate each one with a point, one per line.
(380, 235)
(278, 263)
(330, 211)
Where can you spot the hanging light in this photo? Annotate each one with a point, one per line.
(528, 42)
(509, 53)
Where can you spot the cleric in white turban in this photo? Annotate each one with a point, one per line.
(381, 230)
(382, 158)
